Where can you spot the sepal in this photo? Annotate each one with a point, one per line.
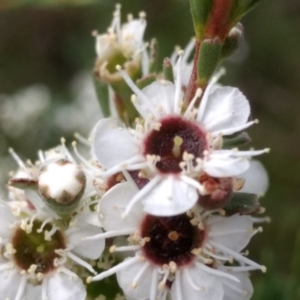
(242, 203)
(168, 70)
(236, 140)
(208, 60)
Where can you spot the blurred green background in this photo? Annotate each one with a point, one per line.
(46, 59)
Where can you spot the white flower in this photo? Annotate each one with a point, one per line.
(180, 252)
(173, 146)
(37, 254)
(122, 45)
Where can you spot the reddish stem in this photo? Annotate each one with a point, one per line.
(217, 25)
(192, 86)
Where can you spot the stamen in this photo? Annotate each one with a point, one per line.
(216, 272)
(154, 279)
(192, 103)
(44, 224)
(139, 275)
(81, 262)
(41, 156)
(162, 284)
(49, 234)
(147, 188)
(188, 50)
(178, 86)
(233, 129)
(82, 139)
(66, 150)
(109, 234)
(136, 90)
(124, 248)
(114, 269)
(178, 286)
(186, 272)
(237, 256)
(17, 159)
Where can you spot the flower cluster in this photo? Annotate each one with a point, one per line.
(165, 199)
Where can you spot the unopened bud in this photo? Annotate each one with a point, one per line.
(61, 185)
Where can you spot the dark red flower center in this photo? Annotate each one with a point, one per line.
(175, 137)
(33, 249)
(170, 239)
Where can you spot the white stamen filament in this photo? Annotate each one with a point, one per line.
(109, 234)
(115, 269)
(178, 87)
(178, 286)
(161, 285)
(192, 103)
(66, 150)
(188, 50)
(44, 224)
(186, 272)
(147, 188)
(137, 91)
(232, 130)
(82, 139)
(81, 262)
(140, 274)
(154, 279)
(83, 160)
(216, 272)
(125, 248)
(122, 166)
(237, 256)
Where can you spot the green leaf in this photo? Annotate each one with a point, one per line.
(200, 10)
(168, 70)
(242, 203)
(102, 95)
(239, 140)
(209, 58)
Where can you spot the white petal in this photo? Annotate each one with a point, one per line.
(10, 281)
(171, 196)
(62, 287)
(7, 219)
(256, 179)
(133, 32)
(91, 249)
(227, 107)
(113, 144)
(225, 166)
(113, 205)
(33, 292)
(233, 232)
(127, 275)
(242, 290)
(210, 287)
(161, 99)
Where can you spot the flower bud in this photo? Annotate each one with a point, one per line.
(61, 184)
(219, 191)
(233, 41)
